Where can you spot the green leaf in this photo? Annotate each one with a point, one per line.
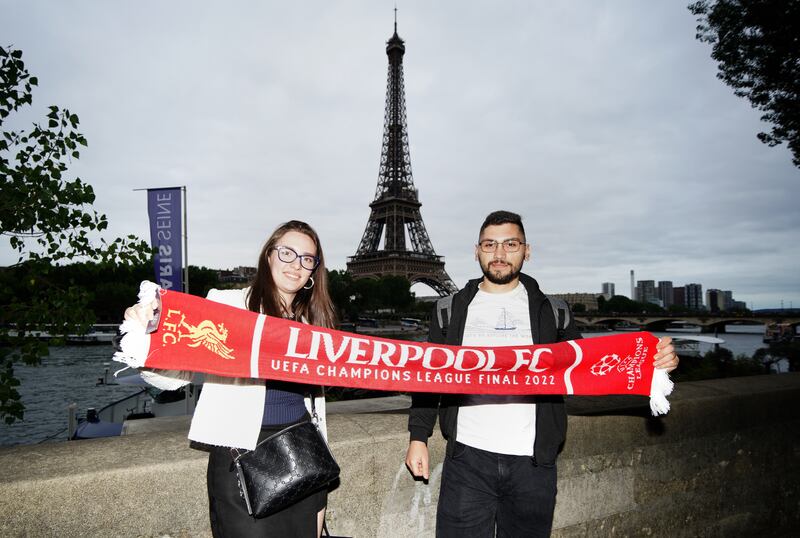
(58, 213)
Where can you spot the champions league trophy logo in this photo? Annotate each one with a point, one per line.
(205, 333)
(630, 366)
(605, 365)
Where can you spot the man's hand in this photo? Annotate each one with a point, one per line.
(665, 357)
(417, 459)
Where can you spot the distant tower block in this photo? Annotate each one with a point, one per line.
(608, 290)
(395, 214)
(633, 289)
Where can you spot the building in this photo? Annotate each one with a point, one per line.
(608, 290)
(646, 291)
(665, 293)
(588, 300)
(395, 241)
(727, 300)
(237, 275)
(694, 297)
(722, 301)
(633, 289)
(715, 300)
(679, 296)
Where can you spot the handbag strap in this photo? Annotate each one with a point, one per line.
(236, 453)
(314, 416)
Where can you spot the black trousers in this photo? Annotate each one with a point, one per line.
(483, 491)
(229, 517)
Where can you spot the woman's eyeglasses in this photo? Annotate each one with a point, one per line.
(288, 255)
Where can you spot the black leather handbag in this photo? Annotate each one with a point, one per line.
(284, 468)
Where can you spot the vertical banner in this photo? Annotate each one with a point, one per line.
(164, 210)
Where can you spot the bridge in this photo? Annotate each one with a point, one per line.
(707, 323)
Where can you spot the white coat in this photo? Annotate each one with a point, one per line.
(230, 410)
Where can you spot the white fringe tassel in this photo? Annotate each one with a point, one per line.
(135, 344)
(660, 388)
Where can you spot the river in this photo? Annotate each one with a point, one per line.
(740, 339)
(70, 375)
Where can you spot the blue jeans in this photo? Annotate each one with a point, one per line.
(482, 489)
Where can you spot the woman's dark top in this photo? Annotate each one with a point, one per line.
(284, 402)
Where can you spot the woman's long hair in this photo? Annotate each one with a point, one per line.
(314, 305)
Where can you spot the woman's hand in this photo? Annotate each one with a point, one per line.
(142, 313)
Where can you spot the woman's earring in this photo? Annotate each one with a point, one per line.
(311, 278)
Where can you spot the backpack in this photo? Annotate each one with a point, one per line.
(559, 306)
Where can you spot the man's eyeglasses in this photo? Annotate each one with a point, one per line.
(288, 255)
(509, 245)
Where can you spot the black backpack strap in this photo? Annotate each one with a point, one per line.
(561, 314)
(444, 307)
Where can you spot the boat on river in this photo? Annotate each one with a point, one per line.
(410, 324)
(689, 345)
(147, 403)
(99, 333)
(780, 332)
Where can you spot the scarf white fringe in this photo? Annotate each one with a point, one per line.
(660, 388)
(135, 344)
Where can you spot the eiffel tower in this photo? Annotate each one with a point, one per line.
(395, 208)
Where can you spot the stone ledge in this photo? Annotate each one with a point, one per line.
(704, 469)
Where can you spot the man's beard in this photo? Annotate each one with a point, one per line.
(501, 279)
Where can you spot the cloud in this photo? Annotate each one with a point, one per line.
(602, 124)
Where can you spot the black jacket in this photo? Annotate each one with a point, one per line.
(551, 416)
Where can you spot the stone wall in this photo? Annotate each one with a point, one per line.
(723, 462)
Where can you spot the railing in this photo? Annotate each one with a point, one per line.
(117, 411)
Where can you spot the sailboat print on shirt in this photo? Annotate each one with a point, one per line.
(505, 322)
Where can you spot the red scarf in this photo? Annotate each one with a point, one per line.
(199, 335)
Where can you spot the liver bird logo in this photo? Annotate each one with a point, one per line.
(206, 333)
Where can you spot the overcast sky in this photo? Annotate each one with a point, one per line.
(601, 122)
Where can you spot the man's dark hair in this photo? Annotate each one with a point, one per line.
(496, 218)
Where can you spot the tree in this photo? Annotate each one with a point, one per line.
(777, 351)
(49, 221)
(395, 292)
(202, 279)
(622, 305)
(340, 286)
(354, 297)
(756, 45)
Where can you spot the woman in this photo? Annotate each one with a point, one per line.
(240, 412)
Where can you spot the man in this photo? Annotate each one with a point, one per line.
(500, 464)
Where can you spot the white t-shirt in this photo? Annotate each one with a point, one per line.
(498, 319)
